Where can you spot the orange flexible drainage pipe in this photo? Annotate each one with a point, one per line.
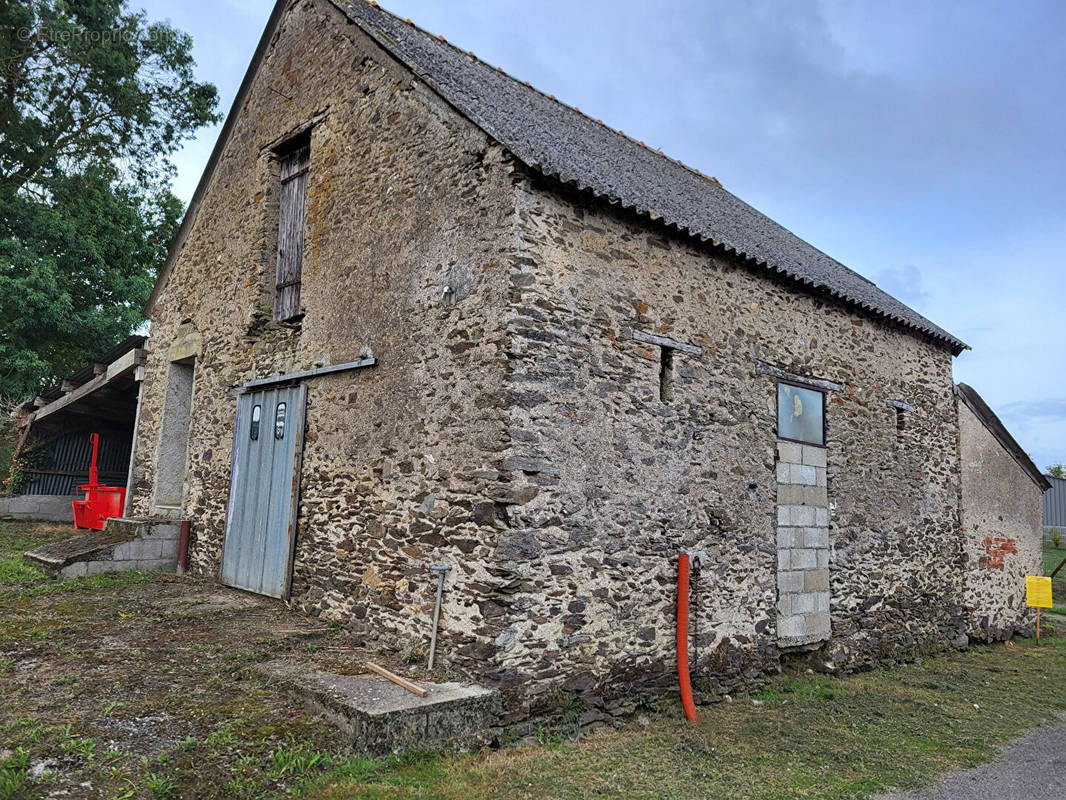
(682, 638)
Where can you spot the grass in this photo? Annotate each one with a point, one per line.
(101, 682)
(1052, 558)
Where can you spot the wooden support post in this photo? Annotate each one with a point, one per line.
(1055, 571)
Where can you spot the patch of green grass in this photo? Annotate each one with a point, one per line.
(296, 760)
(14, 784)
(109, 580)
(162, 787)
(15, 570)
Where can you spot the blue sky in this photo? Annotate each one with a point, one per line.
(923, 144)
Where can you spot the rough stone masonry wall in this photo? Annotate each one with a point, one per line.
(610, 483)
(1001, 517)
(408, 230)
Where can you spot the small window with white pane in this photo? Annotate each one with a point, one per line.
(800, 414)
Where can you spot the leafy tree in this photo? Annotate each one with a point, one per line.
(1056, 471)
(94, 99)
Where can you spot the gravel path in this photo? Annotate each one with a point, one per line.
(1031, 768)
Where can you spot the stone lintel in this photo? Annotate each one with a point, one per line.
(900, 405)
(662, 341)
(762, 368)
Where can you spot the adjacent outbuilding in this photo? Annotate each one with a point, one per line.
(1001, 519)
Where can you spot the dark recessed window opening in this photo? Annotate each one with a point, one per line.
(800, 414)
(901, 422)
(295, 162)
(666, 374)
(253, 432)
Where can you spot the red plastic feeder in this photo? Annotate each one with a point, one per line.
(101, 502)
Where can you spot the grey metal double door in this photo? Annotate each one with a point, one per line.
(264, 490)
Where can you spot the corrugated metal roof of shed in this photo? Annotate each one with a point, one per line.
(564, 144)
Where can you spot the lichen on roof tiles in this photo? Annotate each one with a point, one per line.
(564, 144)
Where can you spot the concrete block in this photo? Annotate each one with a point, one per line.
(792, 626)
(154, 565)
(145, 549)
(819, 477)
(784, 517)
(816, 580)
(792, 452)
(783, 559)
(821, 601)
(803, 603)
(162, 531)
(818, 623)
(815, 538)
(821, 517)
(790, 537)
(789, 581)
(804, 475)
(168, 549)
(815, 496)
(37, 507)
(823, 558)
(814, 456)
(75, 570)
(101, 567)
(801, 559)
(784, 604)
(789, 494)
(783, 474)
(802, 516)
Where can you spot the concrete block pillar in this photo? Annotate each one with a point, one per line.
(802, 545)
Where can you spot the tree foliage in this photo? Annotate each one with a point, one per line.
(1057, 471)
(94, 99)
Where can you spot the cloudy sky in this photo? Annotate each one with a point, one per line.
(923, 144)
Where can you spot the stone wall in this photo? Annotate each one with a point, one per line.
(408, 229)
(610, 481)
(517, 428)
(1001, 517)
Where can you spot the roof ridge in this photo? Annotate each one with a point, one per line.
(817, 276)
(541, 92)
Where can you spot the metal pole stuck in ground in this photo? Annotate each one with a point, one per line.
(441, 570)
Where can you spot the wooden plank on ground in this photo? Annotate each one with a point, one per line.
(392, 676)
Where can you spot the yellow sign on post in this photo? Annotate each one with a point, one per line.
(1038, 591)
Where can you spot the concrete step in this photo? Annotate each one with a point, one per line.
(379, 717)
(124, 545)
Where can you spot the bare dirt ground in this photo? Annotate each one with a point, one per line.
(117, 685)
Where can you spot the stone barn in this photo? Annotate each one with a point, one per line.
(420, 313)
(1002, 492)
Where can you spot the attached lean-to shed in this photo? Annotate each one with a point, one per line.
(53, 447)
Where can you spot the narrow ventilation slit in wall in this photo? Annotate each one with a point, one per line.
(666, 374)
(901, 422)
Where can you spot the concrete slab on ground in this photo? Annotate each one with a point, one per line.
(380, 717)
